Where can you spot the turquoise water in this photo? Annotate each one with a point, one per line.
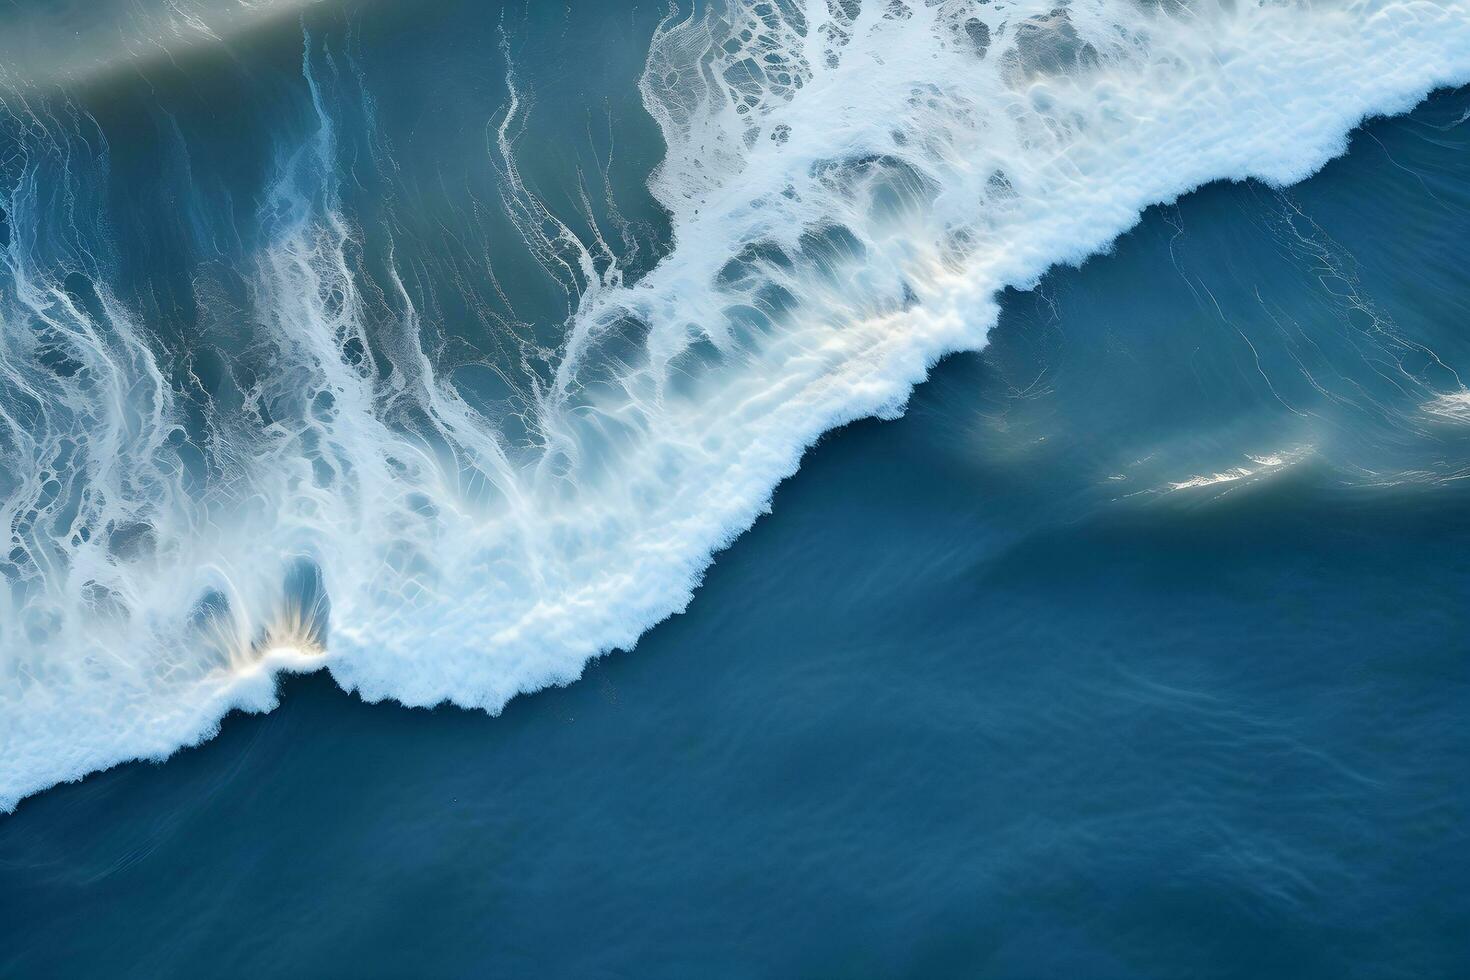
(1134, 647)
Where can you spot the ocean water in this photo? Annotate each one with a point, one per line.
(356, 358)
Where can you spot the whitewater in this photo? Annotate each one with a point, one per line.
(850, 185)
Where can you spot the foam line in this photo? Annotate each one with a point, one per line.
(850, 184)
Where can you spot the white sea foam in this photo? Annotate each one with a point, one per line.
(1455, 406)
(1260, 466)
(851, 183)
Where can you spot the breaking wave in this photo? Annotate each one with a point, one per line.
(850, 183)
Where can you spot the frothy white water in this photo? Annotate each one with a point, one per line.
(851, 183)
(1259, 466)
(1454, 406)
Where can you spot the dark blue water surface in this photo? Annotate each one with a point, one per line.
(984, 695)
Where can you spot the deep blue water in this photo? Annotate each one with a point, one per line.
(998, 688)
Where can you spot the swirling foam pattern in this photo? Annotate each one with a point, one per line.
(849, 183)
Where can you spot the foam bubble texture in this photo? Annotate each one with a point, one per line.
(851, 182)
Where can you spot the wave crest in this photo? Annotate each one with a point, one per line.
(850, 184)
